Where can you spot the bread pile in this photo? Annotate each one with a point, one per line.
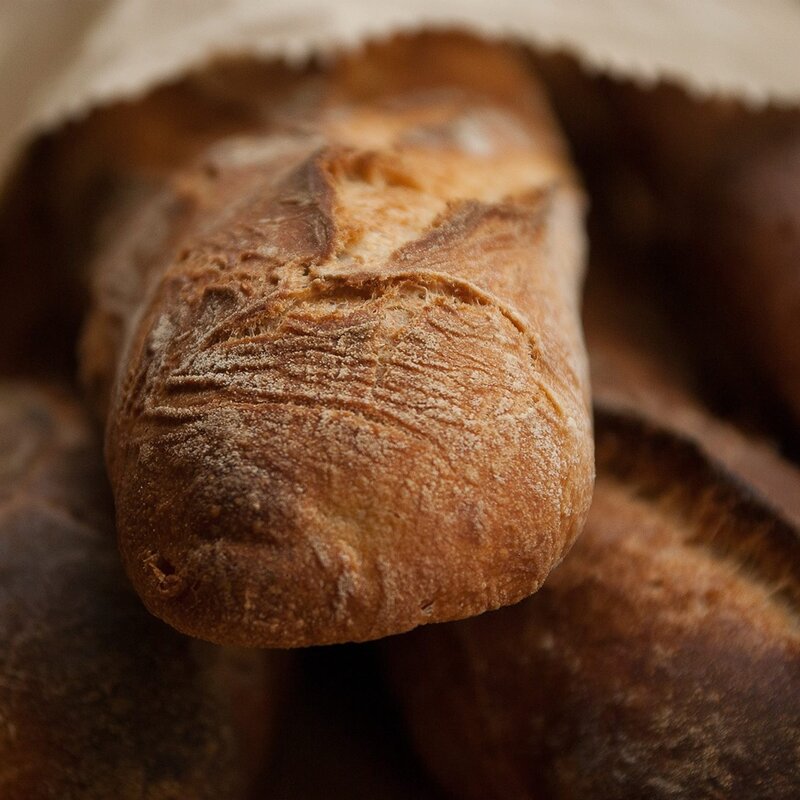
(332, 348)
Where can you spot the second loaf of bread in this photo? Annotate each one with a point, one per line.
(348, 389)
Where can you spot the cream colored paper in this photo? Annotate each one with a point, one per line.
(59, 58)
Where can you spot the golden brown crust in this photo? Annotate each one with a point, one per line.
(98, 699)
(659, 660)
(351, 396)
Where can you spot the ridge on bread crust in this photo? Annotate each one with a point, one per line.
(724, 516)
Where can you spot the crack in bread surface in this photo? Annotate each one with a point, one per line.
(238, 355)
(303, 298)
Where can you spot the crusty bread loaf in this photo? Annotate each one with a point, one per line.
(722, 183)
(662, 658)
(638, 366)
(751, 244)
(341, 357)
(99, 700)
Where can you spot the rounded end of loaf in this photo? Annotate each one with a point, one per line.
(660, 659)
(400, 458)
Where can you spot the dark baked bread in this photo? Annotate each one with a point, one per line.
(660, 660)
(345, 381)
(751, 244)
(97, 698)
(722, 183)
(639, 366)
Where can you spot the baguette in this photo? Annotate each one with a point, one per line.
(657, 379)
(724, 181)
(340, 357)
(98, 699)
(659, 660)
(662, 658)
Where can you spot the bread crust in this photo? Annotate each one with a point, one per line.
(659, 660)
(97, 698)
(349, 395)
(752, 247)
(638, 367)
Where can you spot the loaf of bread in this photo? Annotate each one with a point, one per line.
(98, 699)
(661, 659)
(638, 366)
(724, 183)
(340, 355)
(751, 244)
